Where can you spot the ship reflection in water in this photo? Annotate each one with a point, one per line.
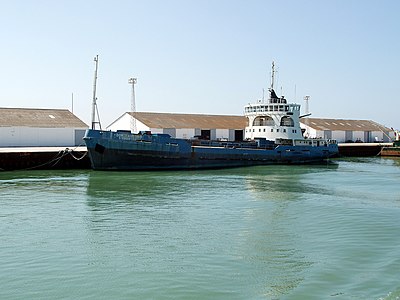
(239, 219)
(266, 232)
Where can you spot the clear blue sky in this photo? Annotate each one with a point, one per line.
(205, 56)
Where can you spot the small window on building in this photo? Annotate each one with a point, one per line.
(277, 130)
(284, 130)
(253, 130)
(272, 130)
(259, 130)
(264, 129)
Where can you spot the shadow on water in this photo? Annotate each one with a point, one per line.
(45, 181)
(129, 186)
(133, 187)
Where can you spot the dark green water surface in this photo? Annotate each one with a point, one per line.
(270, 232)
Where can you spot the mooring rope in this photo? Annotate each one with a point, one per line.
(55, 159)
(71, 152)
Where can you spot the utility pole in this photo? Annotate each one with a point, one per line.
(307, 108)
(133, 81)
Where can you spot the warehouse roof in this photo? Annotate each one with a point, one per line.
(173, 120)
(343, 125)
(44, 118)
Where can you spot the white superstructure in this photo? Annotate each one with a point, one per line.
(273, 118)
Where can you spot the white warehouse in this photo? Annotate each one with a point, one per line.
(28, 127)
(214, 127)
(231, 128)
(343, 130)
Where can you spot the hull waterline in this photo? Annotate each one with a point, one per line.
(117, 151)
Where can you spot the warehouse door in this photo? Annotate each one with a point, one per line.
(348, 136)
(238, 135)
(367, 137)
(327, 134)
(205, 134)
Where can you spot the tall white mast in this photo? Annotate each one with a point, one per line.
(133, 81)
(94, 104)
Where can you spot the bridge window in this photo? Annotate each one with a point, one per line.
(287, 121)
(263, 121)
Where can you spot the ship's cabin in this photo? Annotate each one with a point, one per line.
(257, 108)
(273, 119)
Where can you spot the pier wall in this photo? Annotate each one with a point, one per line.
(361, 149)
(18, 158)
(39, 158)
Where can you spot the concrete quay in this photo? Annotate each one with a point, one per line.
(361, 149)
(40, 158)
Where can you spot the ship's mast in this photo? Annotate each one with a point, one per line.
(273, 75)
(94, 102)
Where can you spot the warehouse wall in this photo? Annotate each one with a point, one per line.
(36, 137)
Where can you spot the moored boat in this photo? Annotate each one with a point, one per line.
(273, 136)
(393, 150)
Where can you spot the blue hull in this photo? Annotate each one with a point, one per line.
(125, 151)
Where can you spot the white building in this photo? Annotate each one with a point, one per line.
(214, 127)
(232, 127)
(346, 130)
(26, 127)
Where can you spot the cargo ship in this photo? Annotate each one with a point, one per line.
(272, 136)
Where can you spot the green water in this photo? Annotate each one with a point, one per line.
(271, 232)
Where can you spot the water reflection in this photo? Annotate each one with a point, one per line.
(244, 219)
(392, 160)
(273, 246)
(128, 185)
(285, 182)
(251, 233)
